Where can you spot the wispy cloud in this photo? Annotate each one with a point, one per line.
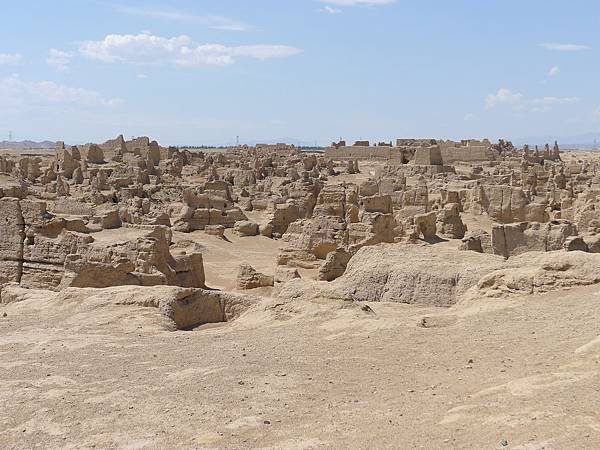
(179, 50)
(330, 10)
(59, 59)
(10, 59)
(546, 104)
(547, 101)
(214, 22)
(565, 47)
(553, 71)
(359, 2)
(505, 97)
(15, 90)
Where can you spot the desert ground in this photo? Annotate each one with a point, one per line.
(497, 373)
(428, 295)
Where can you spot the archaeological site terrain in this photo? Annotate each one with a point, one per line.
(418, 293)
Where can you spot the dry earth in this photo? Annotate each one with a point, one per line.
(519, 373)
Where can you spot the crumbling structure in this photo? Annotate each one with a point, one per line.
(59, 212)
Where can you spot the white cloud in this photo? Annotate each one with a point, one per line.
(565, 47)
(359, 2)
(330, 10)
(553, 71)
(141, 76)
(59, 59)
(548, 101)
(10, 59)
(180, 50)
(15, 90)
(211, 21)
(519, 103)
(502, 97)
(546, 104)
(141, 48)
(470, 117)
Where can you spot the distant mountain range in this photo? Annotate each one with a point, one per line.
(26, 144)
(582, 141)
(253, 142)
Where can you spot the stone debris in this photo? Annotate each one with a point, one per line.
(249, 278)
(119, 213)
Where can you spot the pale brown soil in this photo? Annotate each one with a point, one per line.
(222, 257)
(520, 372)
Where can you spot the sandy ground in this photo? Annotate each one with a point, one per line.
(494, 374)
(223, 257)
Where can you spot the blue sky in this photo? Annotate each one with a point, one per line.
(205, 71)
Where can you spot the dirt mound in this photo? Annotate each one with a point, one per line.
(441, 276)
(176, 308)
(538, 272)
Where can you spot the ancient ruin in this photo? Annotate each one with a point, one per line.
(254, 234)
(129, 212)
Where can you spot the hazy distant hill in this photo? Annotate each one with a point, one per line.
(583, 141)
(26, 144)
(252, 142)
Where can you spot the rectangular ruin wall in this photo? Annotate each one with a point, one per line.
(428, 156)
(356, 152)
(472, 153)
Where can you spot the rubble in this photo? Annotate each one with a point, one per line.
(320, 208)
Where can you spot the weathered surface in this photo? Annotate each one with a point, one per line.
(180, 308)
(246, 228)
(249, 278)
(422, 275)
(514, 239)
(146, 261)
(507, 204)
